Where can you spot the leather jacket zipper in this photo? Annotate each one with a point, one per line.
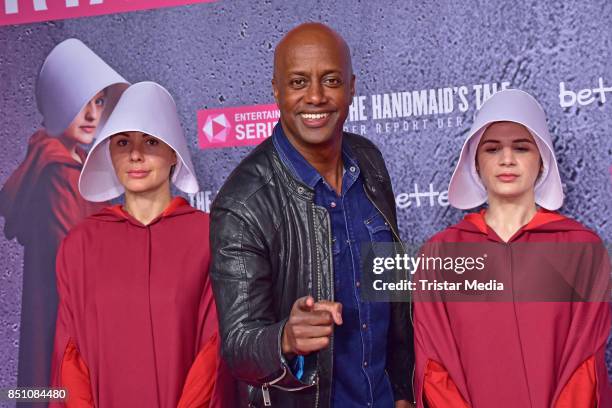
(317, 393)
(331, 285)
(319, 278)
(265, 388)
(265, 392)
(320, 292)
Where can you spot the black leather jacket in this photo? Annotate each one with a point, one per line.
(272, 245)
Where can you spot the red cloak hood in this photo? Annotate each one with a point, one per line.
(116, 213)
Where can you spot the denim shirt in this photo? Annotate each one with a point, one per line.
(360, 343)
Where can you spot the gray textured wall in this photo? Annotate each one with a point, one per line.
(220, 55)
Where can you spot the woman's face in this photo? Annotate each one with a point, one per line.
(83, 127)
(508, 161)
(142, 162)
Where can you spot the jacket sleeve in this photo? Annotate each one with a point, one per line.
(68, 368)
(400, 352)
(243, 286)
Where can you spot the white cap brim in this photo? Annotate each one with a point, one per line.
(144, 107)
(466, 189)
(70, 77)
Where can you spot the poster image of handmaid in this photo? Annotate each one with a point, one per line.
(75, 93)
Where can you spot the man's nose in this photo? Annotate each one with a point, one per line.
(315, 94)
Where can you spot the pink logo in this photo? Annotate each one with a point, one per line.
(29, 11)
(216, 128)
(239, 126)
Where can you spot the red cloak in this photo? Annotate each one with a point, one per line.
(40, 202)
(137, 322)
(513, 354)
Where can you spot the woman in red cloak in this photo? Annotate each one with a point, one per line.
(75, 92)
(137, 324)
(541, 341)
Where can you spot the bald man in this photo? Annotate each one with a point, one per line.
(287, 230)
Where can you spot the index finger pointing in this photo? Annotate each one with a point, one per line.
(334, 308)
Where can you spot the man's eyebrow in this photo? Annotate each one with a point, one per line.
(120, 134)
(325, 72)
(332, 71)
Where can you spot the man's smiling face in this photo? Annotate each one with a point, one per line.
(313, 84)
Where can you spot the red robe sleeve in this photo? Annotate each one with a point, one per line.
(200, 381)
(439, 389)
(68, 368)
(580, 390)
(209, 382)
(585, 382)
(436, 352)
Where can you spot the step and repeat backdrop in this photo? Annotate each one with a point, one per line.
(422, 71)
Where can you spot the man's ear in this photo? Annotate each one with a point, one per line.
(352, 86)
(275, 89)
